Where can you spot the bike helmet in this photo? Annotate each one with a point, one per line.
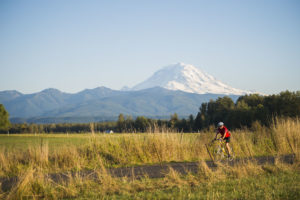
(220, 124)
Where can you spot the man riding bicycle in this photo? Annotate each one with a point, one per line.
(225, 135)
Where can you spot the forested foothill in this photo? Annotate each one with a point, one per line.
(248, 111)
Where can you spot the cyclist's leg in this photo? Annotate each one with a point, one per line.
(227, 140)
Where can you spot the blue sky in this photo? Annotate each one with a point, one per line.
(73, 45)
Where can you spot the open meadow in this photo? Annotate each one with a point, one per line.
(31, 157)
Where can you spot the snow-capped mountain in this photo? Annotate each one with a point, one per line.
(187, 78)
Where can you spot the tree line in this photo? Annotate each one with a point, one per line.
(124, 124)
(242, 113)
(249, 109)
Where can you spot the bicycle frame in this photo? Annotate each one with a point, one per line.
(220, 152)
(221, 147)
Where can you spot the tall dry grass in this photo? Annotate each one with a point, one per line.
(286, 136)
(118, 150)
(102, 151)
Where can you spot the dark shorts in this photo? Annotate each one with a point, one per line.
(227, 139)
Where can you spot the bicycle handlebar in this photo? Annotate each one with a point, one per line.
(218, 139)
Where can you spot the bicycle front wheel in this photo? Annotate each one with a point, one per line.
(219, 154)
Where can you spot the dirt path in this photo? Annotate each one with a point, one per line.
(159, 171)
(152, 171)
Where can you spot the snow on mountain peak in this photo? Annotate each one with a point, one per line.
(187, 78)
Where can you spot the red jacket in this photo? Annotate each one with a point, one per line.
(223, 131)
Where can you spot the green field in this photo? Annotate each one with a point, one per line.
(25, 141)
(31, 157)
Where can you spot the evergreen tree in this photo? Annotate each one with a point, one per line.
(4, 119)
(129, 124)
(191, 123)
(121, 123)
(174, 121)
(141, 124)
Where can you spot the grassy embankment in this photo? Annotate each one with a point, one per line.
(31, 157)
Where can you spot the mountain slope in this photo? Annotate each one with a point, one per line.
(92, 94)
(187, 78)
(35, 104)
(9, 95)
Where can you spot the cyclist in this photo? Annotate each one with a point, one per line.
(225, 135)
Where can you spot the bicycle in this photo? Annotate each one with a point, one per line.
(219, 151)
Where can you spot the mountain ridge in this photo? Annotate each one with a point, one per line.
(155, 101)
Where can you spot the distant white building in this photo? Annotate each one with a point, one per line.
(109, 131)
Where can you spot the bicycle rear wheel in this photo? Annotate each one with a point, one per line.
(232, 155)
